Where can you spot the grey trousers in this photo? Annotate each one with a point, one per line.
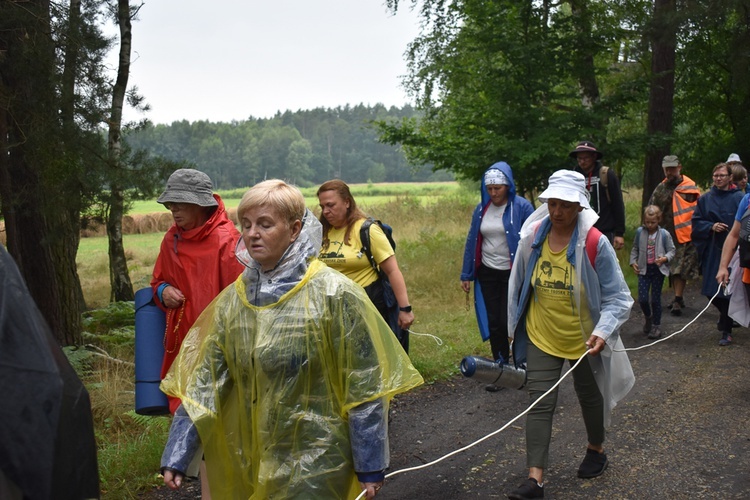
(542, 372)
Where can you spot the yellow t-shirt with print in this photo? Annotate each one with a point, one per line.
(553, 322)
(349, 259)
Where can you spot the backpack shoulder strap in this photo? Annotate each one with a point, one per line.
(637, 237)
(592, 240)
(604, 180)
(364, 237)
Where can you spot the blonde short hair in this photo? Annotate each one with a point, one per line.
(286, 200)
(652, 211)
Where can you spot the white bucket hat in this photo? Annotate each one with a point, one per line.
(734, 158)
(567, 185)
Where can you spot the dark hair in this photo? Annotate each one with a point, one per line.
(353, 214)
(724, 166)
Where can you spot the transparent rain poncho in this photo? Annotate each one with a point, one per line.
(270, 388)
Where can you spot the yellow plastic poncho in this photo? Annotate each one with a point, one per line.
(269, 388)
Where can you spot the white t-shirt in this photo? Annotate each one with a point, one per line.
(495, 250)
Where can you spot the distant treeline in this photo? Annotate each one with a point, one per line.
(304, 147)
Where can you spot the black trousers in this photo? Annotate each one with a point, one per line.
(725, 322)
(382, 296)
(494, 283)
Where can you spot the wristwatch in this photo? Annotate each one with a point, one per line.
(406, 309)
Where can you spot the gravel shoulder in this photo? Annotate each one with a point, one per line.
(681, 432)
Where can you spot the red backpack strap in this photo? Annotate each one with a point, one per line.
(592, 240)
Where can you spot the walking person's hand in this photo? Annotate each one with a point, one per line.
(173, 479)
(595, 345)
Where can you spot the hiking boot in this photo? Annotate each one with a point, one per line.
(593, 465)
(647, 325)
(680, 301)
(529, 489)
(655, 332)
(726, 339)
(676, 308)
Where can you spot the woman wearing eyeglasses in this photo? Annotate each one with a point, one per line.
(712, 219)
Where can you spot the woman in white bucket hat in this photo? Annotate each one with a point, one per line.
(567, 296)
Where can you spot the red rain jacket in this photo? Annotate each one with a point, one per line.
(201, 263)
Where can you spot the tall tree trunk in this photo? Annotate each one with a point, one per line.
(585, 50)
(122, 288)
(663, 36)
(42, 234)
(68, 210)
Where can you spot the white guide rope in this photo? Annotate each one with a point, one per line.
(437, 339)
(455, 452)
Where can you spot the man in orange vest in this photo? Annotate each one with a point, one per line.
(676, 196)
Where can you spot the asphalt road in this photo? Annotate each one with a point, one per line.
(682, 432)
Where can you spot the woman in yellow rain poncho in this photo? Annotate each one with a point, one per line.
(286, 376)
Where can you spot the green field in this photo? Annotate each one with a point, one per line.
(367, 194)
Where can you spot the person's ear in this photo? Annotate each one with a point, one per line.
(296, 229)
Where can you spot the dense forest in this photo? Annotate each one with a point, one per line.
(305, 147)
(523, 81)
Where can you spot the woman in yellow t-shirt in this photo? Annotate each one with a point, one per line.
(342, 251)
(567, 297)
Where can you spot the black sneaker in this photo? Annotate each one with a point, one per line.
(647, 325)
(593, 465)
(493, 388)
(529, 489)
(676, 308)
(655, 332)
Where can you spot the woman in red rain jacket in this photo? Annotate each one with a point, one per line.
(196, 260)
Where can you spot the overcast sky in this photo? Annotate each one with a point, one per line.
(231, 59)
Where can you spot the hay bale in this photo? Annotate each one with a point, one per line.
(232, 214)
(148, 224)
(92, 227)
(165, 221)
(128, 225)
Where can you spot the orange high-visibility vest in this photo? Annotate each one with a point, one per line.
(682, 209)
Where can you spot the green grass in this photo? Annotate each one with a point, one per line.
(429, 229)
(376, 194)
(131, 459)
(93, 264)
